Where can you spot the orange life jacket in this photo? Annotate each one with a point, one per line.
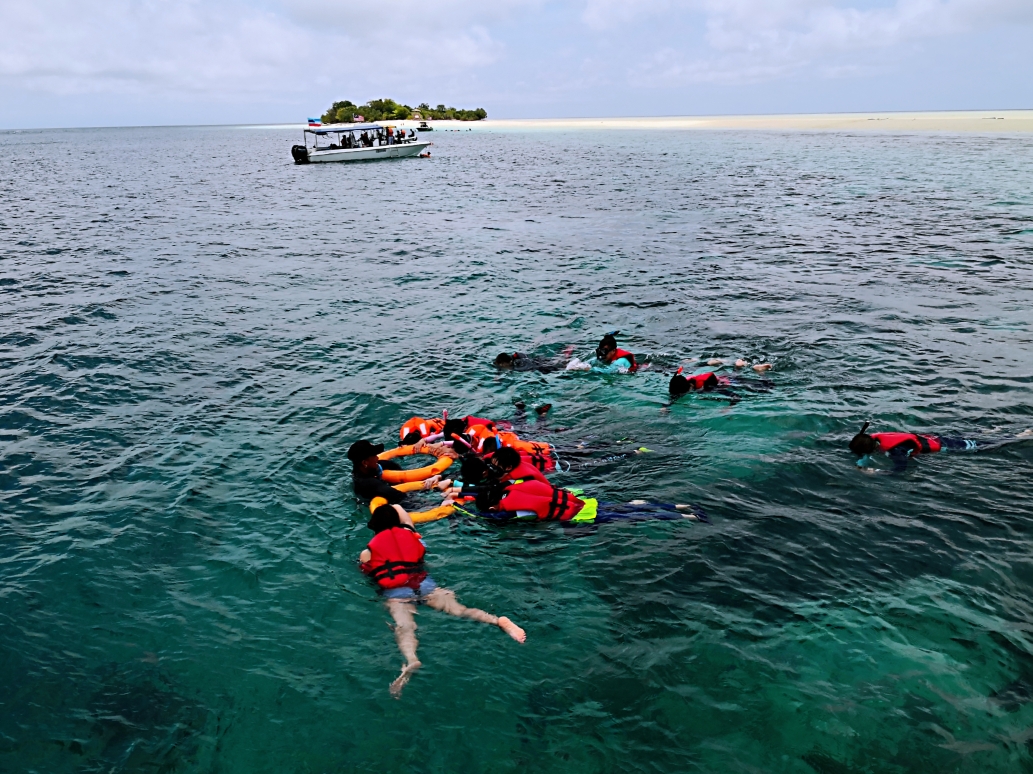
(397, 558)
(927, 444)
(544, 500)
(533, 452)
(422, 426)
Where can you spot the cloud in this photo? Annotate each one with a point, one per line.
(232, 47)
(757, 40)
(573, 55)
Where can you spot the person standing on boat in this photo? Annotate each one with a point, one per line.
(394, 560)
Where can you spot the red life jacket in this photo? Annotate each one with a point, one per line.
(619, 353)
(542, 461)
(397, 558)
(545, 500)
(927, 444)
(699, 381)
(526, 471)
(472, 422)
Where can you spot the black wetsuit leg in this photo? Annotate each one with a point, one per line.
(953, 443)
(646, 512)
(753, 385)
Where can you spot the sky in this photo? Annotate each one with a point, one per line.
(69, 63)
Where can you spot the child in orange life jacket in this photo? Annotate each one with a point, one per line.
(900, 447)
(419, 428)
(394, 560)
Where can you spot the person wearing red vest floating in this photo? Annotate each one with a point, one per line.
(609, 354)
(710, 382)
(510, 465)
(394, 561)
(535, 453)
(523, 498)
(538, 501)
(900, 447)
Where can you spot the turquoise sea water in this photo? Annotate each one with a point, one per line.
(193, 330)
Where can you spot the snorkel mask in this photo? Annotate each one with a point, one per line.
(602, 351)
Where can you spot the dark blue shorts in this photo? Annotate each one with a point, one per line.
(409, 594)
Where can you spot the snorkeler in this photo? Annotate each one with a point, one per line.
(518, 361)
(530, 499)
(609, 358)
(900, 447)
(434, 429)
(713, 383)
(394, 560)
(367, 468)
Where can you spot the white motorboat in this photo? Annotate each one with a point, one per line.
(356, 142)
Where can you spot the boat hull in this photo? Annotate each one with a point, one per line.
(404, 150)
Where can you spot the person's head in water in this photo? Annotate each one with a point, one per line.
(679, 385)
(607, 348)
(862, 443)
(363, 455)
(506, 460)
(456, 427)
(503, 360)
(412, 438)
(384, 517)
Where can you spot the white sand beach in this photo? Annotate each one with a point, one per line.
(962, 121)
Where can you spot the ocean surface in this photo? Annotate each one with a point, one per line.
(193, 330)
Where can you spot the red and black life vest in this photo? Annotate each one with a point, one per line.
(397, 558)
(545, 500)
(702, 381)
(926, 444)
(527, 472)
(619, 353)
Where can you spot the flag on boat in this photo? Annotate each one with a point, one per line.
(314, 122)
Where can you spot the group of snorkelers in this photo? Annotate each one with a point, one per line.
(612, 359)
(502, 477)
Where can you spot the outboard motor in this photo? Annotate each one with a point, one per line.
(300, 154)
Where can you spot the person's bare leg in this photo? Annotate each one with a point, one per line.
(405, 636)
(445, 601)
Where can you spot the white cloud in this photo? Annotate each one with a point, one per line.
(231, 47)
(757, 40)
(579, 55)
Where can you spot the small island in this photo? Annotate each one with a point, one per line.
(346, 112)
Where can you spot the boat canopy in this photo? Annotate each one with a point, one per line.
(345, 128)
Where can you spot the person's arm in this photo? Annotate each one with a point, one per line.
(377, 487)
(435, 449)
(404, 517)
(899, 456)
(365, 556)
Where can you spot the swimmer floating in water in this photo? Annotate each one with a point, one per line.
(518, 361)
(501, 497)
(609, 358)
(367, 470)
(394, 560)
(710, 382)
(900, 447)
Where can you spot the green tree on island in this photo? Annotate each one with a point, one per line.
(345, 112)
